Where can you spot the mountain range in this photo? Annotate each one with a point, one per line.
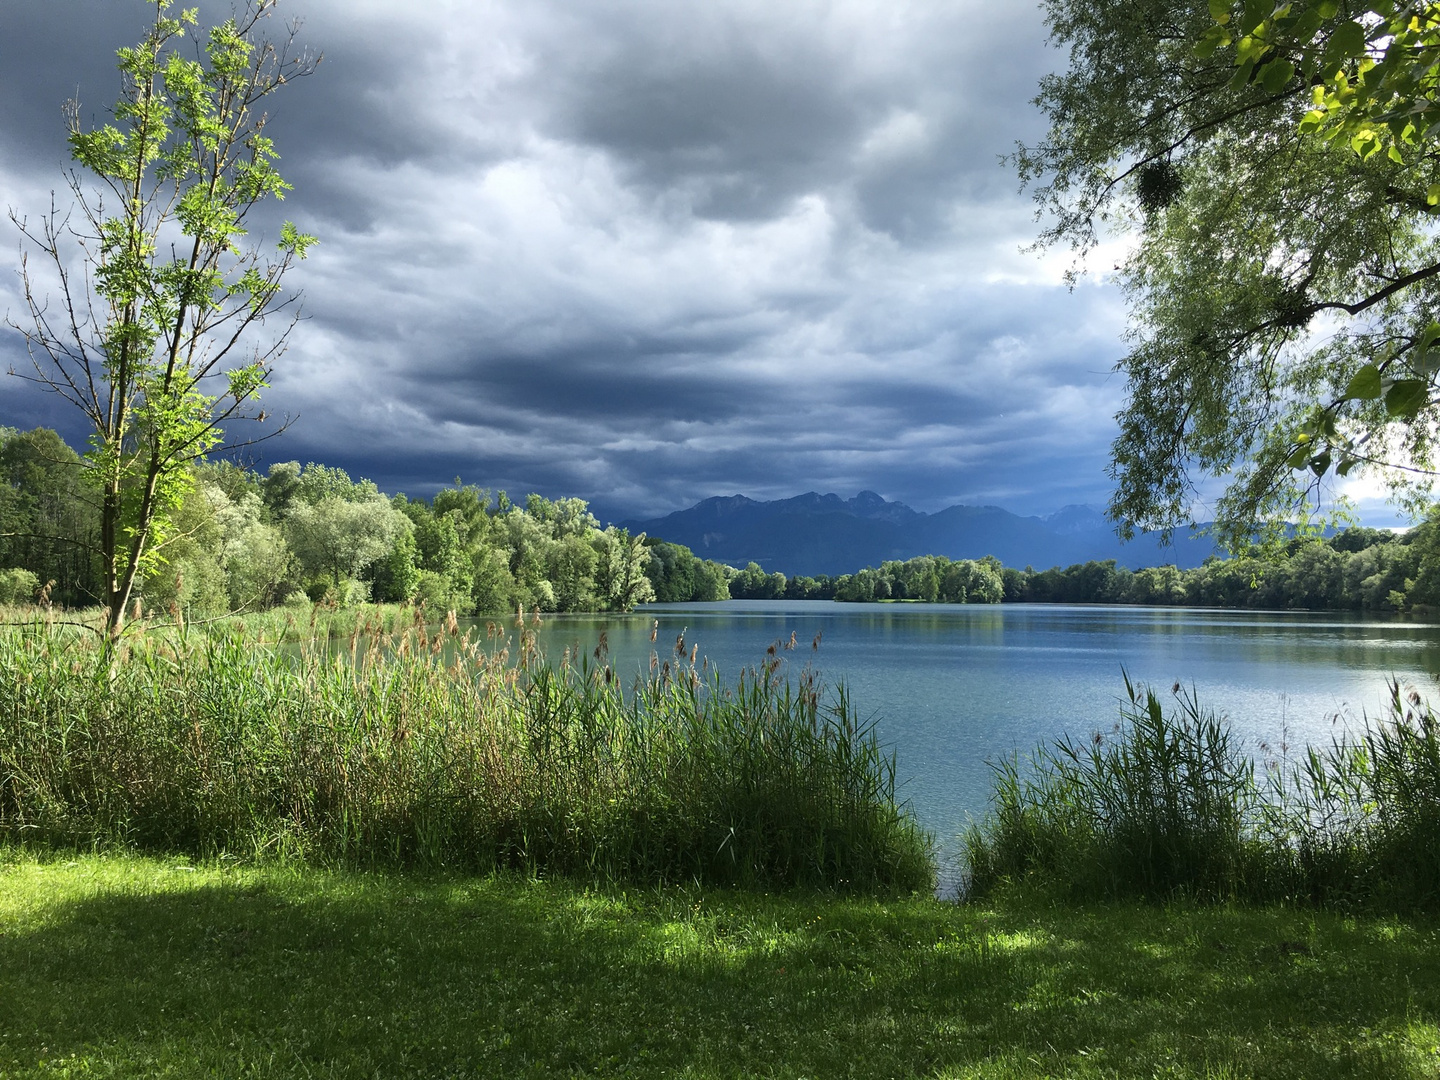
(825, 534)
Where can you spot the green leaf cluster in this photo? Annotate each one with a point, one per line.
(1372, 70)
(1283, 287)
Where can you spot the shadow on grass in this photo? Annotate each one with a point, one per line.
(156, 970)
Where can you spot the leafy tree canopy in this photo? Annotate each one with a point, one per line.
(1283, 273)
(1372, 70)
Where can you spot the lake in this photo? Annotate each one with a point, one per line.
(954, 686)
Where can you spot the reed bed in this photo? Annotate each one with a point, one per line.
(434, 748)
(306, 622)
(292, 623)
(1171, 805)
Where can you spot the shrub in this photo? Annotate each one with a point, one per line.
(18, 586)
(1165, 805)
(1364, 822)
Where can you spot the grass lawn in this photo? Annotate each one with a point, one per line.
(122, 966)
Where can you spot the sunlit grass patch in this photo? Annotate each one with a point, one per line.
(133, 966)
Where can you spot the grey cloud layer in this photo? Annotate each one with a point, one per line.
(647, 252)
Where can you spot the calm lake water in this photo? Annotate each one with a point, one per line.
(952, 687)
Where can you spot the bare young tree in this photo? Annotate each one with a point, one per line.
(152, 300)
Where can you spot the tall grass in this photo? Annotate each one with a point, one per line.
(1168, 803)
(1171, 804)
(1363, 818)
(440, 749)
(310, 622)
(287, 623)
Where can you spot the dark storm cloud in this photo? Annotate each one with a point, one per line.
(50, 53)
(646, 252)
(744, 109)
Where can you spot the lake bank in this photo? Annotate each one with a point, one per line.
(442, 749)
(953, 688)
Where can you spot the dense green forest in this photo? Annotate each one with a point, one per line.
(1358, 569)
(300, 534)
(297, 534)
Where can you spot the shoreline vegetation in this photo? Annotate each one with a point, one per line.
(446, 749)
(1170, 805)
(300, 544)
(415, 745)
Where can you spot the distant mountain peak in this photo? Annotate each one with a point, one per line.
(1075, 518)
(813, 533)
(721, 506)
(870, 505)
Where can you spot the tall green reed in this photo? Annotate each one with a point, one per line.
(436, 748)
(1171, 805)
(1364, 813)
(1167, 803)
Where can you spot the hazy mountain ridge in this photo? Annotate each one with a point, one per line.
(825, 534)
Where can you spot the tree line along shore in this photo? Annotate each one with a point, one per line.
(297, 535)
(455, 749)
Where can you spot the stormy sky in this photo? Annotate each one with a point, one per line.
(646, 252)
